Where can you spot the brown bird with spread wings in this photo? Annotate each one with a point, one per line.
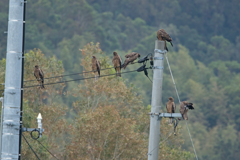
(96, 67)
(184, 107)
(171, 108)
(162, 35)
(117, 62)
(130, 58)
(38, 73)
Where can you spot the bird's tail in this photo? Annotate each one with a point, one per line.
(43, 84)
(119, 74)
(171, 43)
(125, 65)
(166, 48)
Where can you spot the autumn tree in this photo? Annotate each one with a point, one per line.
(111, 121)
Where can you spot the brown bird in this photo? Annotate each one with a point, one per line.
(117, 62)
(38, 73)
(130, 58)
(162, 35)
(171, 108)
(184, 107)
(96, 67)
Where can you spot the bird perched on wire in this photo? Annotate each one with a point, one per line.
(162, 35)
(171, 108)
(96, 67)
(117, 62)
(184, 107)
(38, 73)
(129, 58)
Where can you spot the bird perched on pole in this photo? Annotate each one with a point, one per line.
(129, 58)
(171, 108)
(184, 107)
(117, 62)
(162, 35)
(38, 73)
(96, 67)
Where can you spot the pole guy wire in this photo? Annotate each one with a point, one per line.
(31, 147)
(180, 102)
(46, 149)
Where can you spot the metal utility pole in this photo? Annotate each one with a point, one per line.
(12, 92)
(156, 115)
(154, 134)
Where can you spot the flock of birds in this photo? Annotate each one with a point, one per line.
(162, 35)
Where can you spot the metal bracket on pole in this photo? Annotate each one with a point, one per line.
(20, 57)
(158, 58)
(170, 115)
(39, 129)
(22, 1)
(160, 51)
(157, 67)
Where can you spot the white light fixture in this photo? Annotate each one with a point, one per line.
(39, 121)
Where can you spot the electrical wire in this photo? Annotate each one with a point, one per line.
(180, 102)
(149, 79)
(31, 147)
(76, 73)
(78, 79)
(46, 149)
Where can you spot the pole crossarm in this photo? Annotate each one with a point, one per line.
(171, 115)
(32, 129)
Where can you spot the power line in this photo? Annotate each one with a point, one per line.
(76, 73)
(46, 148)
(31, 147)
(78, 79)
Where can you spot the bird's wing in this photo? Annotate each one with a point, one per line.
(35, 75)
(130, 54)
(120, 61)
(181, 108)
(126, 62)
(173, 107)
(98, 67)
(165, 35)
(41, 74)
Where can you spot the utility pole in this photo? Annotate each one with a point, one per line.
(12, 92)
(154, 134)
(156, 115)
